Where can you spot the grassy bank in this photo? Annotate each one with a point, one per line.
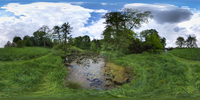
(154, 76)
(16, 54)
(187, 53)
(158, 75)
(28, 77)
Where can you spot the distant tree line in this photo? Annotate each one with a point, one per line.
(118, 36)
(190, 42)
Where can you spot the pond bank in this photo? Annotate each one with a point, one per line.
(91, 71)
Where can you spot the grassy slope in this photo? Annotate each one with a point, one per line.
(16, 54)
(24, 77)
(160, 75)
(189, 53)
(155, 75)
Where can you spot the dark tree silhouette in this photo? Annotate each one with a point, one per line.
(180, 42)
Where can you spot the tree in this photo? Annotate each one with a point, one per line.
(46, 33)
(191, 42)
(136, 46)
(144, 34)
(77, 41)
(26, 37)
(27, 42)
(120, 24)
(71, 41)
(153, 42)
(16, 39)
(66, 29)
(97, 43)
(55, 42)
(93, 46)
(39, 37)
(8, 44)
(180, 42)
(85, 43)
(163, 41)
(56, 30)
(20, 44)
(33, 41)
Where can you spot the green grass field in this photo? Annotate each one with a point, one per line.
(189, 53)
(154, 76)
(16, 54)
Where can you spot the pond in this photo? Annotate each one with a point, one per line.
(91, 71)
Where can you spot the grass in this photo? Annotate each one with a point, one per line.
(154, 76)
(187, 53)
(158, 75)
(16, 54)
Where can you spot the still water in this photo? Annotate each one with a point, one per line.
(88, 73)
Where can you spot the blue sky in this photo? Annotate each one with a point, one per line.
(172, 18)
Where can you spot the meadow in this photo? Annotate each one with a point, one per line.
(154, 76)
(16, 54)
(187, 53)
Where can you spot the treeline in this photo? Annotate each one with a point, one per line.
(190, 42)
(57, 36)
(117, 37)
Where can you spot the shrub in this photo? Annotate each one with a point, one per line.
(20, 44)
(8, 44)
(14, 44)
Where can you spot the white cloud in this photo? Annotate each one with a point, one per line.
(166, 30)
(95, 29)
(103, 3)
(34, 15)
(101, 11)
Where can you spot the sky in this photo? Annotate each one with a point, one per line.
(172, 18)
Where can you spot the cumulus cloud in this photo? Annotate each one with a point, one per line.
(95, 29)
(32, 16)
(164, 13)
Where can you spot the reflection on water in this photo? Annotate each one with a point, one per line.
(87, 72)
(92, 72)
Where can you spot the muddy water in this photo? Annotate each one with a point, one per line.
(92, 72)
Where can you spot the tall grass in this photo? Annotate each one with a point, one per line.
(32, 75)
(154, 75)
(158, 75)
(16, 54)
(187, 53)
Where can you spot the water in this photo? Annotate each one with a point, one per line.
(91, 71)
(88, 73)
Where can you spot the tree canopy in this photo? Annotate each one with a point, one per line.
(180, 41)
(191, 42)
(16, 39)
(119, 26)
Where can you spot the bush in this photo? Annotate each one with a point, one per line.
(8, 44)
(14, 44)
(20, 44)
